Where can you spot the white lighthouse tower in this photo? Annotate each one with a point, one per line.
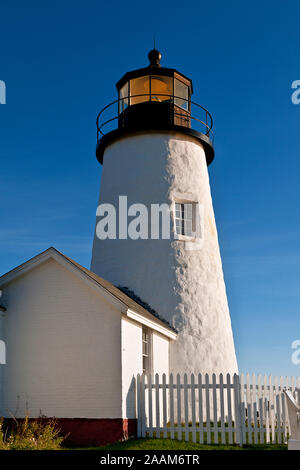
(158, 155)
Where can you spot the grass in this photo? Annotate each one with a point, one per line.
(154, 443)
(173, 444)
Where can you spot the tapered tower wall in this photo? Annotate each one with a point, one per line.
(185, 286)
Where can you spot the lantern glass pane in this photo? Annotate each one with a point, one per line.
(123, 98)
(139, 86)
(181, 91)
(161, 88)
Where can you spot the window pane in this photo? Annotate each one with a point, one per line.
(181, 91)
(123, 93)
(139, 86)
(145, 365)
(161, 86)
(188, 228)
(188, 211)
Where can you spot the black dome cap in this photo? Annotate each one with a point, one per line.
(154, 58)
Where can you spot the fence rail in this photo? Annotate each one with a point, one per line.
(219, 409)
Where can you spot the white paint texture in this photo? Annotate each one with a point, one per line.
(186, 287)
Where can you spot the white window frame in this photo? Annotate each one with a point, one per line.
(149, 355)
(195, 208)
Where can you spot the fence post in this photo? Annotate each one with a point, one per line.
(138, 407)
(237, 409)
(143, 405)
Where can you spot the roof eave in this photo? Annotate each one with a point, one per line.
(151, 323)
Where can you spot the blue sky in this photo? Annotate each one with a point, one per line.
(60, 61)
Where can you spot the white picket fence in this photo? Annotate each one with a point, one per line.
(209, 409)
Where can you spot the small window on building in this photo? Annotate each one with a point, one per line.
(185, 218)
(146, 339)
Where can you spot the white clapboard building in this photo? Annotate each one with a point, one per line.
(74, 345)
(155, 303)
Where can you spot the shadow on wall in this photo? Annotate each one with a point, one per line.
(131, 400)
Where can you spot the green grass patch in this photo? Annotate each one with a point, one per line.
(173, 444)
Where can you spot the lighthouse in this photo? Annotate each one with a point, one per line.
(155, 145)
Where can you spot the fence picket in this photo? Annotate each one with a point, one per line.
(179, 423)
(260, 409)
(272, 409)
(237, 410)
(214, 397)
(143, 405)
(186, 408)
(223, 439)
(229, 410)
(284, 424)
(243, 408)
(292, 385)
(277, 411)
(138, 405)
(171, 393)
(207, 401)
(157, 407)
(150, 415)
(164, 393)
(267, 410)
(200, 407)
(254, 404)
(193, 405)
(249, 409)
(287, 386)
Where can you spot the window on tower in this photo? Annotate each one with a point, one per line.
(185, 218)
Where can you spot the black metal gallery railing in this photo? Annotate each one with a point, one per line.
(184, 111)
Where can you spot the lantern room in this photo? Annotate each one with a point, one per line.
(148, 87)
(154, 98)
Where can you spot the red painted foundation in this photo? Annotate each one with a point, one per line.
(92, 432)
